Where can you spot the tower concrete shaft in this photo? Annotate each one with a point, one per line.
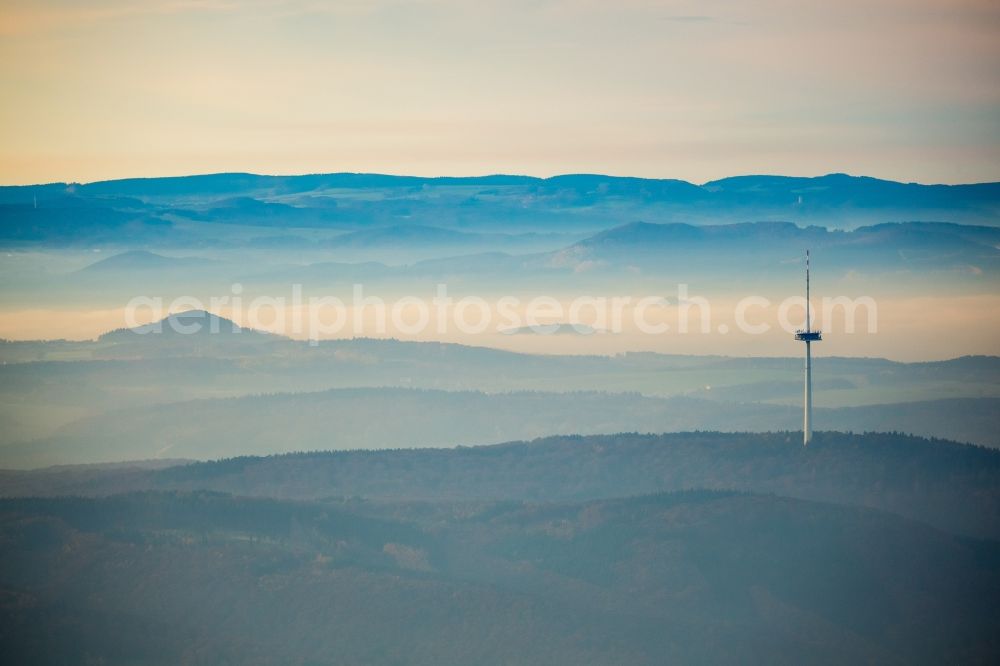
(808, 336)
(807, 416)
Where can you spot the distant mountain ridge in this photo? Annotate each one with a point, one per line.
(195, 323)
(236, 191)
(761, 186)
(644, 233)
(143, 260)
(655, 247)
(184, 211)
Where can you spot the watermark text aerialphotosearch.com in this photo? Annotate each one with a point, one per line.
(367, 314)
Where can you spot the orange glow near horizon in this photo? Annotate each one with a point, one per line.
(960, 326)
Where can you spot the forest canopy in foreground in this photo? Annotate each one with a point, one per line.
(697, 547)
(952, 486)
(165, 578)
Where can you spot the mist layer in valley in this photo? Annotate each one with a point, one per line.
(76, 254)
(134, 395)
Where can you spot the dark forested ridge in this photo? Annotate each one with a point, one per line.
(707, 577)
(695, 547)
(952, 486)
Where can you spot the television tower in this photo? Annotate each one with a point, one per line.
(808, 336)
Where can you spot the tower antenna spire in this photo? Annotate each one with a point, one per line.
(808, 319)
(808, 336)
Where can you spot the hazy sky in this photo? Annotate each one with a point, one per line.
(902, 89)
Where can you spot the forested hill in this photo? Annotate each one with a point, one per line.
(696, 577)
(698, 547)
(952, 486)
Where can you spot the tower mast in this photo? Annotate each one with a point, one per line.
(808, 336)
